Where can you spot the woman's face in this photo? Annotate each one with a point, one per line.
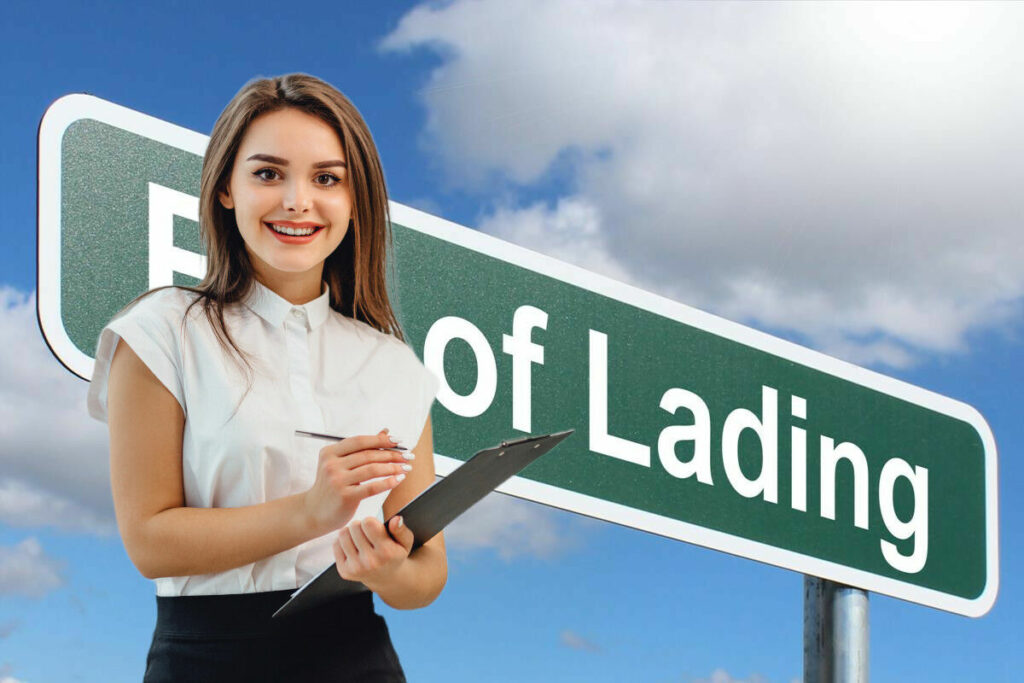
(290, 172)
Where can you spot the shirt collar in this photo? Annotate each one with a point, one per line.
(273, 308)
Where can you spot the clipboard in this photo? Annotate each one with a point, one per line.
(436, 507)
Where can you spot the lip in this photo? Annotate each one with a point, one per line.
(294, 239)
(293, 224)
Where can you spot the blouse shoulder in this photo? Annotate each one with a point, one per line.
(395, 348)
(167, 305)
(170, 301)
(152, 327)
(400, 366)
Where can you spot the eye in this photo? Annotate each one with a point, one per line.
(260, 173)
(332, 179)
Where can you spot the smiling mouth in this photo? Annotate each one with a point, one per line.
(293, 232)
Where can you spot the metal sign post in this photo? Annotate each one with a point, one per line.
(836, 632)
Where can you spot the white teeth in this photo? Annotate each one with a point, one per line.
(291, 231)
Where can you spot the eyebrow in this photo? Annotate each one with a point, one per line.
(284, 162)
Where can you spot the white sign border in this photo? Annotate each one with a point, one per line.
(59, 116)
(71, 108)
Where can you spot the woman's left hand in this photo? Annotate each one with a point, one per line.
(365, 552)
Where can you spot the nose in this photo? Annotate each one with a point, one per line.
(297, 197)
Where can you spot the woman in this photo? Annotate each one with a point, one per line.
(216, 497)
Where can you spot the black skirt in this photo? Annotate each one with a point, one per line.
(224, 638)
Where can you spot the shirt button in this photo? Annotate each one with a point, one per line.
(297, 312)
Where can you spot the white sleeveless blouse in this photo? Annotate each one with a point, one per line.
(313, 369)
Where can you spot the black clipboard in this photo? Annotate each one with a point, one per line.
(435, 508)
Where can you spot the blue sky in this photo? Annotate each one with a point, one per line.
(843, 176)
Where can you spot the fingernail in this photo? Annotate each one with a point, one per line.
(409, 456)
(407, 468)
(400, 477)
(400, 522)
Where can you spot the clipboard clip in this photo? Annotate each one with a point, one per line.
(514, 442)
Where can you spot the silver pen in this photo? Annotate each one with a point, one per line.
(330, 437)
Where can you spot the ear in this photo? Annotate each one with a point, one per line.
(225, 199)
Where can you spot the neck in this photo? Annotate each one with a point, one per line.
(296, 288)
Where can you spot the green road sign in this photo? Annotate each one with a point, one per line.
(688, 425)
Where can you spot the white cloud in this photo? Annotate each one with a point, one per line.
(26, 570)
(516, 528)
(54, 456)
(722, 676)
(24, 505)
(575, 641)
(570, 231)
(843, 171)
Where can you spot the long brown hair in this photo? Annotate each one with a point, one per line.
(355, 271)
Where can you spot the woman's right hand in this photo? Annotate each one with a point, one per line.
(349, 471)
